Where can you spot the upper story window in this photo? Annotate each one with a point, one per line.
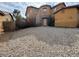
(44, 9)
(55, 9)
(27, 15)
(30, 11)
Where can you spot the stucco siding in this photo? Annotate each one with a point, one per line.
(67, 18)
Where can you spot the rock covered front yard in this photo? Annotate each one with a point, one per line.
(40, 41)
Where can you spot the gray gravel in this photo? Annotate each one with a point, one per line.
(40, 41)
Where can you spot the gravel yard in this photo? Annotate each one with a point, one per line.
(40, 41)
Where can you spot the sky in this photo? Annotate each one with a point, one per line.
(10, 6)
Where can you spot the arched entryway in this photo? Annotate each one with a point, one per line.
(46, 21)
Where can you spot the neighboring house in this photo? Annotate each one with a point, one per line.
(31, 13)
(6, 21)
(58, 7)
(44, 14)
(67, 17)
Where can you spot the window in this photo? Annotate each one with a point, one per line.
(44, 9)
(55, 9)
(27, 15)
(30, 11)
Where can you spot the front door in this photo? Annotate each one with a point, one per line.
(45, 22)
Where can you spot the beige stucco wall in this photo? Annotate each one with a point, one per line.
(4, 18)
(67, 18)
